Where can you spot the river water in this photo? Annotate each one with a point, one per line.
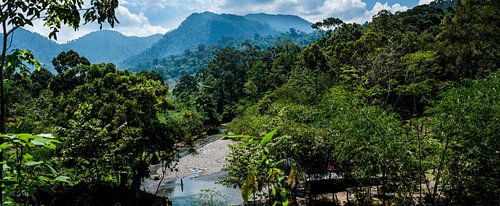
(200, 174)
(200, 191)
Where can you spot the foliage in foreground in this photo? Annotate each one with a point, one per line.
(25, 171)
(466, 123)
(111, 124)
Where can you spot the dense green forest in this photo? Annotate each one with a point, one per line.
(173, 67)
(410, 98)
(406, 106)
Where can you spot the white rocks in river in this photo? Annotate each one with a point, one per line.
(209, 160)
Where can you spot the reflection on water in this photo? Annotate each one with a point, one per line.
(198, 190)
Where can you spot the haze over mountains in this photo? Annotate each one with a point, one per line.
(99, 46)
(110, 46)
(199, 28)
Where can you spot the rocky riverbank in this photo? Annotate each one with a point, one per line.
(209, 159)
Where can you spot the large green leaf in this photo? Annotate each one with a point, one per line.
(268, 137)
(33, 163)
(62, 179)
(40, 142)
(4, 145)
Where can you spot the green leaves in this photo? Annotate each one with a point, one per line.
(465, 123)
(48, 143)
(63, 179)
(28, 140)
(268, 137)
(21, 59)
(114, 121)
(253, 166)
(33, 163)
(25, 171)
(249, 186)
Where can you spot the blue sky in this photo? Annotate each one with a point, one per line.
(147, 17)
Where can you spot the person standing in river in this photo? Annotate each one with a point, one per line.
(182, 185)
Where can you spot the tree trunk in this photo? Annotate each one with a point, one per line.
(440, 167)
(2, 100)
(136, 182)
(123, 180)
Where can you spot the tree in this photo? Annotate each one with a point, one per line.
(465, 122)
(152, 75)
(340, 130)
(470, 40)
(16, 14)
(67, 60)
(113, 129)
(329, 24)
(186, 88)
(40, 80)
(223, 80)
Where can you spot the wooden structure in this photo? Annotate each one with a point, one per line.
(328, 178)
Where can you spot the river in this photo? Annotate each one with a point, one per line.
(199, 174)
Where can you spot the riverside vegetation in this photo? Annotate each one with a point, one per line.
(411, 99)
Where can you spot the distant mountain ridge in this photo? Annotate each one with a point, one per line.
(281, 22)
(42, 48)
(99, 46)
(110, 46)
(205, 28)
(208, 28)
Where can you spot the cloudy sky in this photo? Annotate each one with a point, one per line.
(147, 17)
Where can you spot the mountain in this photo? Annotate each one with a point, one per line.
(99, 46)
(200, 28)
(110, 46)
(209, 28)
(42, 48)
(281, 22)
(173, 67)
(127, 52)
(444, 4)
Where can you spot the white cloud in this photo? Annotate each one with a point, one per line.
(313, 10)
(131, 24)
(422, 2)
(368, 14)
(135, 24)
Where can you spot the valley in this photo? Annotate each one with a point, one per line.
(250, 103)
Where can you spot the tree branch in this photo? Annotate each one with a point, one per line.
(10, 43)
(12, 30)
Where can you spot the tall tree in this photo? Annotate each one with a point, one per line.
(329, 24)
(67, 60)
(15, 14)
(122, 120)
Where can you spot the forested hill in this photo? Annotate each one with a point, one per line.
(281, 22)
(100, 46)
(208, 28)
(173, 67)
(43, 48)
